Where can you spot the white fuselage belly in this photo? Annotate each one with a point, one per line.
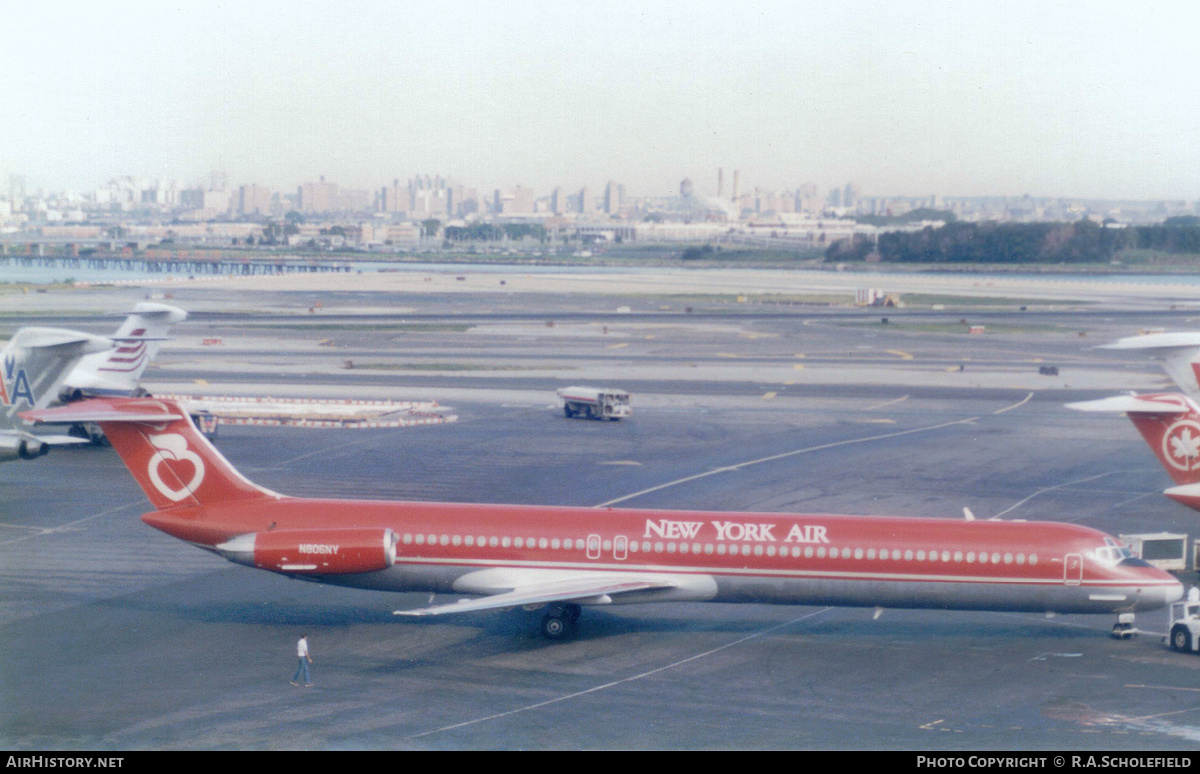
(799, 588)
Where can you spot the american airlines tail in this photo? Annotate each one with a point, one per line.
(1170, 423)
(172, 461)
(119, 372)
(1178, 352)
(36, 361)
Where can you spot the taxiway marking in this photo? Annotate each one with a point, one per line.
(806, 450)
(623, 680)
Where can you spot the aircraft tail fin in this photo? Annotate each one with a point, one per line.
(171, 460)
(138, 338)
(1178, 352)
(36, 362)
(1169, 422)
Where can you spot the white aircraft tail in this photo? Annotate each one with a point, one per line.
(119, 372)
(33, 367)
(1178, 352)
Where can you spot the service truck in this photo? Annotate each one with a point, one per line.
(1165, 550)
(595, 403)
(1185, 624)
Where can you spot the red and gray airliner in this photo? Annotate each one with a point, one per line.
(563, 558)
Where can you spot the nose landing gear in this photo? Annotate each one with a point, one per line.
(1123, 629)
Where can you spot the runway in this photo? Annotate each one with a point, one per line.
(118, 637)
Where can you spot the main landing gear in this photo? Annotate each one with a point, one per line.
(559, 621)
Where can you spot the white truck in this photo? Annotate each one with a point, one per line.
(1185, 624)
(595, 403)
(1165, 550)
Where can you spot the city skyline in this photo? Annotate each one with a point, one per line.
(1081, 101)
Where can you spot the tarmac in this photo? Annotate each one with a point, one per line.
(118, 637)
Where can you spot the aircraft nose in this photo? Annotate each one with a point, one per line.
(1172, 592)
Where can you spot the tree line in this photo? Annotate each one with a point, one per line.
(1083, 241)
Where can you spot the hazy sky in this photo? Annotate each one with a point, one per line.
(905, 98)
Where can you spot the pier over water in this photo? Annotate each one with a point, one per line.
(161, 261)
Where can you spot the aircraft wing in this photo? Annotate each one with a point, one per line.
(583, 588)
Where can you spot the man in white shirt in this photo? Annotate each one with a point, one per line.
(305, 660)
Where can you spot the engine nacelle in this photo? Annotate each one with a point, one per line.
(31, 449)
(334, 551)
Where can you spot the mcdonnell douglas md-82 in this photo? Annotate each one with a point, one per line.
(562, 558)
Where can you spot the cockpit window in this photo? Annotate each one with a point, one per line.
(1111, 552)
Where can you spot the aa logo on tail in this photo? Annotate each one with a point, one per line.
(20, 384)
(172, 446)
(1181, 445)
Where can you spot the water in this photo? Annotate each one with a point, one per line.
(48, 274)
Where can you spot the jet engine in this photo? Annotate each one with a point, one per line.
(28, 449)
(333, 551)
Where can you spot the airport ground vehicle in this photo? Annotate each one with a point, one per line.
(1185, 624)
(595, 403)
(1165, 550)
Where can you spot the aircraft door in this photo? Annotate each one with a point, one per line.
(1073, 569)
(593, 547)
(620, 547)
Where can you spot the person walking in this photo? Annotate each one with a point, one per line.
(305, 660)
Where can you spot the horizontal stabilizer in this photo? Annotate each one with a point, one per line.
(568, 590)
(1184, 492)
(142, 410)
(1164, 403)
(165, 312)
(1156, 341)
(31, 338)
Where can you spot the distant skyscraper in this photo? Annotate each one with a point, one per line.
(253, 200)
(585, 201)
(522, 200)
(317, 197)
(612, 198)
(720, 182)
(557, 203)
(735, 186)
(16, 192)
(685, 188)
(850, 195)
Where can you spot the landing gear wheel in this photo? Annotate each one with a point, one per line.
(555, 627)
(1181, 639)
(559, 622)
